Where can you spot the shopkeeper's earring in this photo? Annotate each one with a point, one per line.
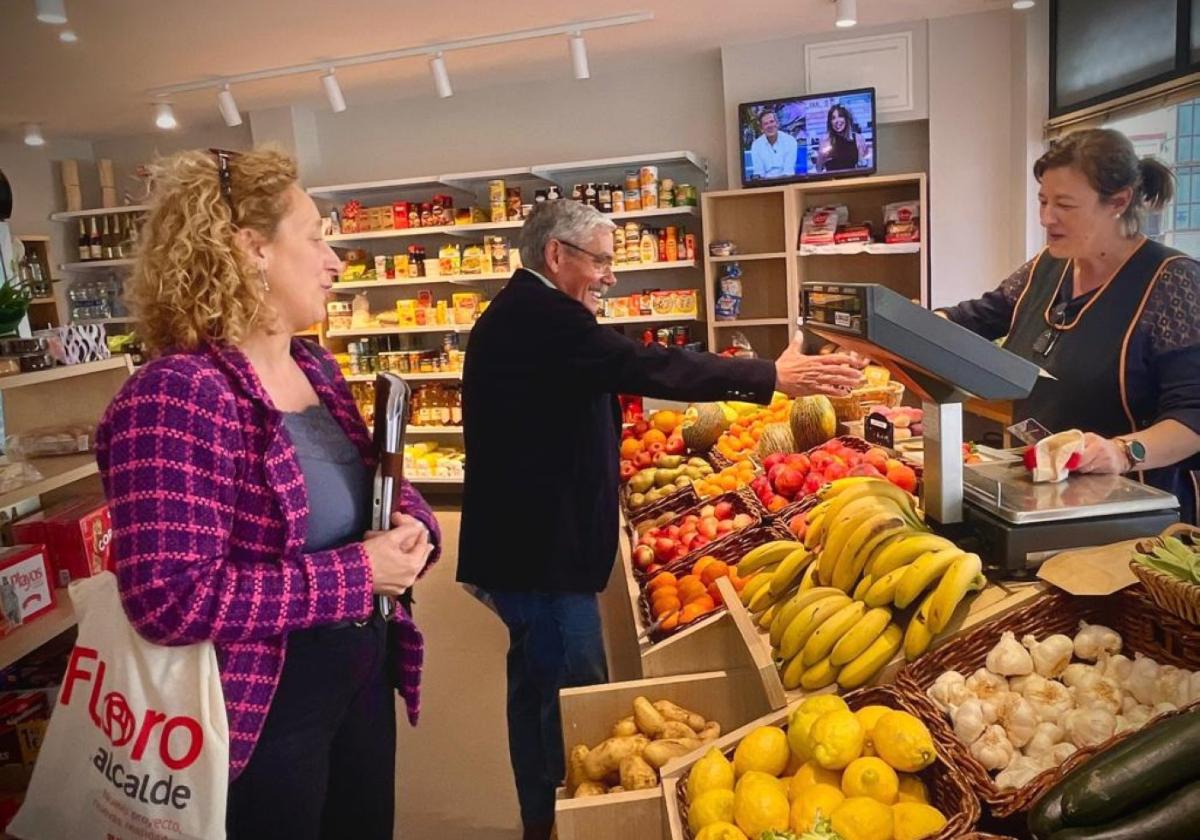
(262, 276)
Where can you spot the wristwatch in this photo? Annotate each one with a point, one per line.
(1135, 452)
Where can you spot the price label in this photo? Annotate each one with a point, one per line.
(879, 431)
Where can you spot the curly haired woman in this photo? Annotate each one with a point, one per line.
(238, 473)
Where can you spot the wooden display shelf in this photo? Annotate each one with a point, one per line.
(410, 377)
(442, 328)
(68, 215)
(414, 429)
(22, 380)
(56, 472)
(29, 637)
(752, 322)
(771, 255)
(91, 265)
(416, 479)
(417, 281)
(648, 319)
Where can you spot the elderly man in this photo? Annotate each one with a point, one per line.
(542, 427)
(773, 154)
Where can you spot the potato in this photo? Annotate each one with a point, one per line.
(660, 752)
(606, 757)
(710, 732)
(675, 729)
(672, 712)
(636, 774)
(575, 772)
(625, 726)
(649, 722)
(590, 789)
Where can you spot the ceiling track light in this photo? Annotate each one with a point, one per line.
(68, 36)
(228, 107)
(441, 79)
(164, 116)
(579, 57)
(1021, 5)
(52, 11)
(847, 13)
(33, 135)
(333, 92)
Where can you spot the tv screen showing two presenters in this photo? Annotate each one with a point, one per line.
(802, 138)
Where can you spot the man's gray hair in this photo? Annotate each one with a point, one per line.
(561, 219)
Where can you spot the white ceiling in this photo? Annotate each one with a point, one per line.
(96, 88)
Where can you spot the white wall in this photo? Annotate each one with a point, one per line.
(1031, 108)
(971, 181)
(36, 182)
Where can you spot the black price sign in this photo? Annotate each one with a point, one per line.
(878, 430)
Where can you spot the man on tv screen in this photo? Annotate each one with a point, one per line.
(773, 153)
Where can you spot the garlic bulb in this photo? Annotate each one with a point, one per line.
(1021, 684)
(1008, 658)
(1116, 667)
(968, 720)
(1138, 715)
(1093, 640)
(1060, 753)
(993, 749)
(1045, 737)
(948, 691)
(1123, 725)
(1088, 727)
(1050, 699)
(1100, 693)
(1017, 717)
(1020, 772)
(986, 686)
(1077, 672)
(1162, 709)
(1142, 678)
(1051, 655)
(1171, 686)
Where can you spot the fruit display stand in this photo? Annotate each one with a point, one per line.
(948, 788)
(729, 697)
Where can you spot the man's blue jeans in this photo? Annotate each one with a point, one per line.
(554, 642)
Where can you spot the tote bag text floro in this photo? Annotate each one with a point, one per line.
(138, 745)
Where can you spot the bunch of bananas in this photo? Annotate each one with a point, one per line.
(828, 604)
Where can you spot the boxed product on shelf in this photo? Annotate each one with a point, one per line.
(77, 536)
(24, 716)
(428, 459)
(902, 222)
(26, 585)
(51, 440)
(821, 223)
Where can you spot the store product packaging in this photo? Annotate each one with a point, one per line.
(1098, 570)
(729, 293)
(23, 719)
(26, 587)
(1053, 458)
(821, 223)
(77, 536)
(902, 222)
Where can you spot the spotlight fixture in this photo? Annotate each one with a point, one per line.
(164, 116)
(579, 59)
(333, 92)
(33, 135)
(1023, 4)
(847, 13)
(228, 107)
(68, 36)
(52, 11)
(441, 79)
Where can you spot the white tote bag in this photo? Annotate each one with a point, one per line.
(138, 745)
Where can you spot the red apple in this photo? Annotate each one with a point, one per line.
(653, 569)
(701, 541)
(628, 470)
(836, 470)
(640, 428)
(813, 483)
(664, 550)
(853, 459)
(689, 540)
(675, 445)
(742, 521)
(789, 482)
(643, 556)
(772, 460)
(821, 459)
(656, 448)
(707, 510)
(773, 473)
(643, 460)
(798, 525)
(626, 434)
(691, 518)
(723, 510)
(707, 527)
(865, 469)
(724, 526)
(673, 531)
(833, 445)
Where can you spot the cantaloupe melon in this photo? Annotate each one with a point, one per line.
(776, 438)
(702, 425)
(813, 421)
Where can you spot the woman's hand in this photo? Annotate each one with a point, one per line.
(1101, 455)
(397, 556)
(798, 375)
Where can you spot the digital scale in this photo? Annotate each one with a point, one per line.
(1012, 522)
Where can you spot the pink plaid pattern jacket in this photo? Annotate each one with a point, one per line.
(209, 513)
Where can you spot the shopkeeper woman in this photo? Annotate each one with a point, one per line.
(238, 473)
(1113, 315)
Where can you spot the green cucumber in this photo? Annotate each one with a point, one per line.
(1174, 817)
(1109, 783)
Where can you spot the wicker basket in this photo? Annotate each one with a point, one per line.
(1144, 629)
(848, 408)
(680, 500)
(890, 395)
(743, 501)
(949, 790)
(1176, 596)
(728, 550)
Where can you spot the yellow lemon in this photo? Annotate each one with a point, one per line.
(802, 718)
(712, 772)
(811, 773)
(903, 742)
(765, 749)
(871, 776)
(794, 762)
(721, 831)
(759, 807)
(868, 716)
(708, 808)
(914, 821)
(836, 739)
(756, 777)
(812, 804)
(912, 789)
(862, 818)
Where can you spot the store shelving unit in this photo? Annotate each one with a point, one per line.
(764, 224)
(96, 265)
(72, 215)
(43, 311)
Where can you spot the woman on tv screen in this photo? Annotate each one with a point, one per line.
(844, 147)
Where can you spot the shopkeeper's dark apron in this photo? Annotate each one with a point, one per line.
(1088, 354)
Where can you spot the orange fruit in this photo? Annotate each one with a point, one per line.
(776, 504)
(653, 436)
(690, 588)
(690, 613)
(665, 421)
(705, 602)
(728, 482)
(630, 447)
(670, 623)
(664, 593)
(715, 594)
(702, 564)
(660, 580)
(662, 606)
(713, 572)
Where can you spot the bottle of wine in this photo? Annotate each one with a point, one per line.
(94, 248)
(106, 239)
(85, 252)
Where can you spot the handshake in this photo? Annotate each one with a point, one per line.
(833, 375)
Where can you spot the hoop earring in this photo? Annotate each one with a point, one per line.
(262, 277)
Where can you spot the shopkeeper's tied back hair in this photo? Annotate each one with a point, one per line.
(1110, 164)
(191, 282)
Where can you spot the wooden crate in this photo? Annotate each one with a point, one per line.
(588, 714)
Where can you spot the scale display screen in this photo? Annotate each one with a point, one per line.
(839, 309)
